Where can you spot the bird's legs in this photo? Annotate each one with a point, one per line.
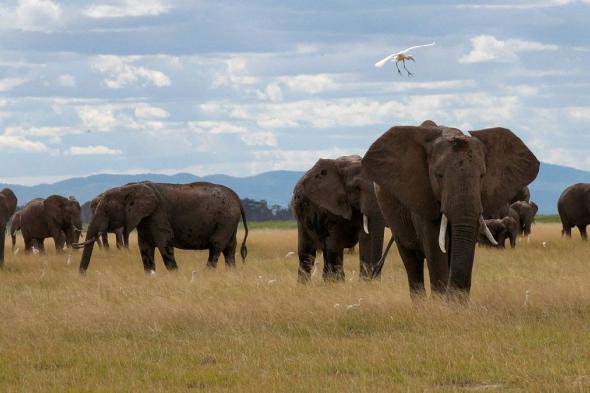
(398, 70)
(409, 73)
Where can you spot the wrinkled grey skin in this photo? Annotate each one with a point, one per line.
(56, 217)
(7, 209)
(574, 209)
(329, 202)
(501, 229)
(196, 216)
(526, 213)
(425, 172)
(116, 226)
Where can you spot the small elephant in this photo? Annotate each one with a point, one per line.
(7, 208)
(335, 206)
(195, 216)
(116, 226)
(14, 228)
(523, 194)
(433, 184)
(526, 215)
(56, 217)
(501, 229)
(574, 209)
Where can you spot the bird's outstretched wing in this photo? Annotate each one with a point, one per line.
(417, 46)
(381, 63)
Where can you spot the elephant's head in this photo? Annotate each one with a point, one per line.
(66, 214)
(124, 206)
(342, 187)
(441, 174)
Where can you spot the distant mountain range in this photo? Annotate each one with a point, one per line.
(275, 187)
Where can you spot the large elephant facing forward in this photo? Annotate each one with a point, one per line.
(336, 207)
(7, 209)
(574, 209)
(433, 184)
(56, 217)
(196, 216)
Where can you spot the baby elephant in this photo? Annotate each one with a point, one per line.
(501, 229)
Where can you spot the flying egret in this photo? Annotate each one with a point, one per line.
(401, 56)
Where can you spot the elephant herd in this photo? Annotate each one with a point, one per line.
(440, 191)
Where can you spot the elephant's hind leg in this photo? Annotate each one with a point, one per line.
(167, 252)
(229, 253)
(214, 252)
(333, 265)
(583, 233)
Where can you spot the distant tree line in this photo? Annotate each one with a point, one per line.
(255, 211)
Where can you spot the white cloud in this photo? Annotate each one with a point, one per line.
(216, 127)
(97, 118)
(10, 83)
(579, 113)
(272, 92)
(93, 150)
(310, 84)
(150, 112)
(54, 134)
(234, 74)
(489, 48)
(31, 15)
(524, 6)
(67, 80)
(121, 71)
(265, 138)
(127, 8)
(16, 142)
(278, 159)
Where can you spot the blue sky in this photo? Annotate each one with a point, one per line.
(133, 86)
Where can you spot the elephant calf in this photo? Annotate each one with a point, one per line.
(196, 216)
(336, 207)
(526, 213)
(501, 229)
(116, 226)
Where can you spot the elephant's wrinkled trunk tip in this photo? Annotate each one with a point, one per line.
(442, 235)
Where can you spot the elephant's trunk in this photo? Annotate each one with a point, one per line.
(462, 249)
(91, 236)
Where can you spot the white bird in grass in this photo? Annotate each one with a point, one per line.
(354, 305)
(16, 251)
(401, 56)
(194, 276)
(34, 250)
(69, 261)
(290, 254)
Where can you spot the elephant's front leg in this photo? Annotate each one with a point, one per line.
(58, 240)
(333, 263)
(167, 251)
(146, 248)
(307, 254)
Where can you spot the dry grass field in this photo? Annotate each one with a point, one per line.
(256, 330)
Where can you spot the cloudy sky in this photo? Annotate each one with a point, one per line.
(131, 86)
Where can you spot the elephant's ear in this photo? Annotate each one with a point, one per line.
(398, 162)
(140, 202)
(324, 186)
(54, 208)
(510, 166)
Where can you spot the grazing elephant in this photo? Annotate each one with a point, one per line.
(574, 209)
(501, 229)
(526, 215)
(335, 206)
(7, 209)
(116, 226)
(196, 216)
(433, 184)
(523, 195)
(56, 217)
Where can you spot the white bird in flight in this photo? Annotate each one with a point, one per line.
(401, 56)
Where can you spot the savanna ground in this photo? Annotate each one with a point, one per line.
(255, 329)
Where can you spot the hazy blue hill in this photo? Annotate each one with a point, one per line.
(275, 187)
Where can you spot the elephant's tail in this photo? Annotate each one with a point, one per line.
(243, 248)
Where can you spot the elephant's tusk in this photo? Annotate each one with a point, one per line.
(366, 223)
(80, 245)
(487, 232)
(442, 235)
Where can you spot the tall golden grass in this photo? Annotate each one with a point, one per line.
(255, 329)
